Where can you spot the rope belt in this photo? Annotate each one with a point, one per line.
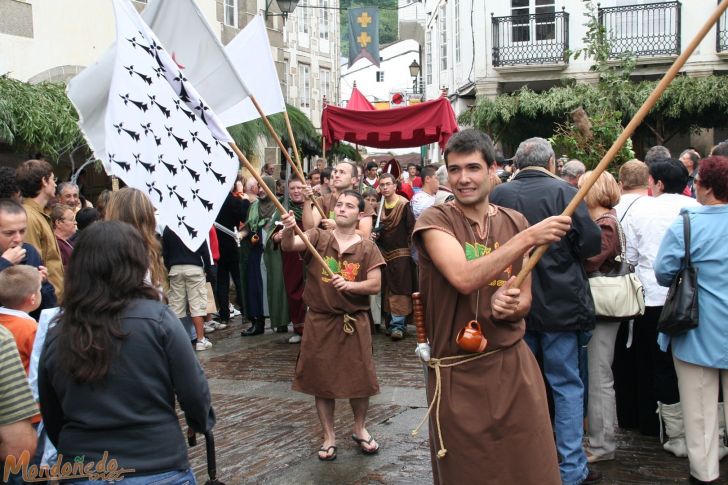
(349, 322)
(437, 364)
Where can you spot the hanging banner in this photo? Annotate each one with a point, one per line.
(364, 35)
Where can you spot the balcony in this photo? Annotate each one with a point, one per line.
(541, 38)
(648, 30)
(721, 34)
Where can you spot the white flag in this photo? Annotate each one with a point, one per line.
(161, 137)
(184, 32)
(252, 48)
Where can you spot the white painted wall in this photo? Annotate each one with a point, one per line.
(476, 42)
(395, 63)
(66, 33)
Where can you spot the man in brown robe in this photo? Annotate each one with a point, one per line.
(335, 360)
(394, 239)
(345, 176)
(493, 423)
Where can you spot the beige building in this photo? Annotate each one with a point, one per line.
(53, 40)
(312, 38)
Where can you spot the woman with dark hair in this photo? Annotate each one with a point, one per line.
(115, 361)
(700, 358)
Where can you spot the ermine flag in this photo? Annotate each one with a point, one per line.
(184, 32)
(160, 136)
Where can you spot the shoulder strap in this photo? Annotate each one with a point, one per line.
(629, 207)
(686, 234)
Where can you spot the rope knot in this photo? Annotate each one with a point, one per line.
(348, 324)
(436, 364)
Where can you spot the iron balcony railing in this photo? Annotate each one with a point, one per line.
(541, 38)
(645, 30)
(721, 34)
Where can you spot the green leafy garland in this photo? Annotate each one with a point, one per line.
(40, 118)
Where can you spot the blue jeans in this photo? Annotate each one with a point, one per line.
(398, 322)
(175, 477)
(560, 353)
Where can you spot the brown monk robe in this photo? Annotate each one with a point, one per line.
(493, 414)
(332, 363)
(394, 241)
(327, 203)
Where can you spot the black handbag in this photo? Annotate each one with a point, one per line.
(680, 312)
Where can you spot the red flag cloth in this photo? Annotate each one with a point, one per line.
(358, 101)
(416, 125)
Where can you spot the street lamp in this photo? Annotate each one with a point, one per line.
(414, 69)
(285, 6)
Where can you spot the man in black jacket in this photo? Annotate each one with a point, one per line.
(187, 292)
(234, 211)
(562, 308)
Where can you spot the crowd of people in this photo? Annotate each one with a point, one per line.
(104, 299)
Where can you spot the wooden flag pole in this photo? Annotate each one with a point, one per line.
(280, 207)
(293, 142)
(299, 173)
(627, 132)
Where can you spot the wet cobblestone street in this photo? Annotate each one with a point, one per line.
(266, 433)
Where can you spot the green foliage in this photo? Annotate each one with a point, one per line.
(688, 104)
(343, 150)
(388, 17)
(41, 118)
(606, 127)
(38, 118)
(246, 135)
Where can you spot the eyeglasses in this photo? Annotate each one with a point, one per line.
(70, 220)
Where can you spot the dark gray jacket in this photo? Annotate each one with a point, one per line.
(561, 297)
(132, 413)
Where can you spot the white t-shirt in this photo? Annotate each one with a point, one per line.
(644, 227)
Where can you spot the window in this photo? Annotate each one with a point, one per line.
(545, 21)
(324, 20)
(303, 16)
(443, 38)
(305, 84)
(457, 30)
(326, 83)
(428, 56)
(230, 9)
(520, 31)
(380, 76)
